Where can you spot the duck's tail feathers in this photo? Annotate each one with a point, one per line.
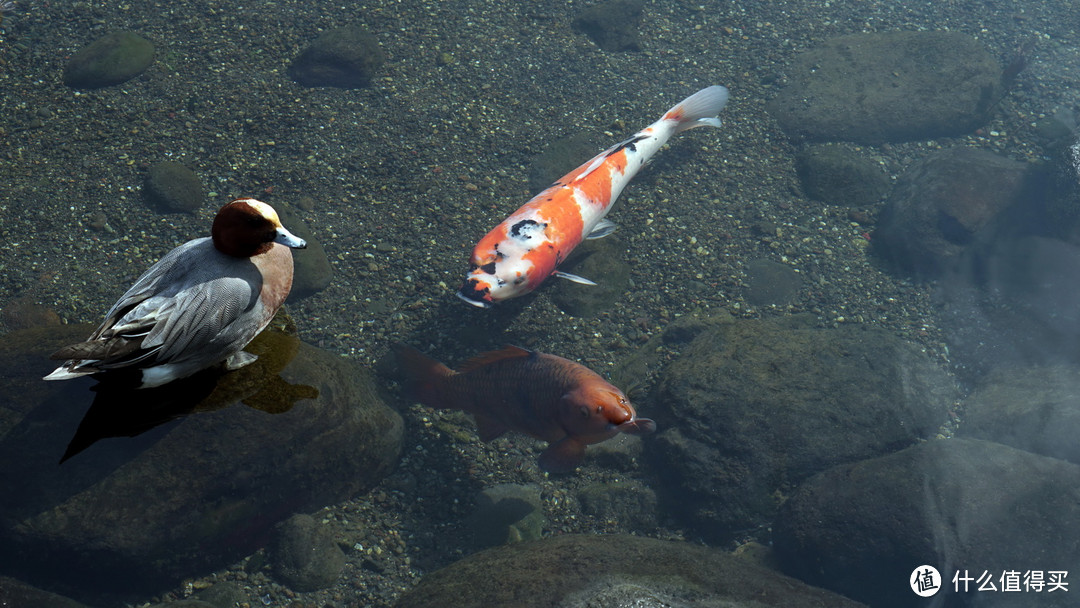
(65, 373)
(700, 109)
(423, 376)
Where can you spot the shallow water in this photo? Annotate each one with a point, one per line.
(398, 180)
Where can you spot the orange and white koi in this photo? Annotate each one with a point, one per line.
(526, 248)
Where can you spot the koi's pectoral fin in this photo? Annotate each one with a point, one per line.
(489, 428)
(603, 228)
(573, 277)
(563, 456)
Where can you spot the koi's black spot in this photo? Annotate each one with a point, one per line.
(488, 268)
(470, 291)
(627, 144)
(521, 229)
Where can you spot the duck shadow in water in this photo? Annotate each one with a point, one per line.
(120, 411)
(142, 417)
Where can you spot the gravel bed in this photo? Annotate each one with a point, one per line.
(399, 180)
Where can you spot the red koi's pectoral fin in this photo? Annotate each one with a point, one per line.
(489, 428)
(563, 456)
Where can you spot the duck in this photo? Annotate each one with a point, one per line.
(197, 307)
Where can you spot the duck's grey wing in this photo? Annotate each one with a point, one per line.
(209, 322)
(184, 307)
(164, 279)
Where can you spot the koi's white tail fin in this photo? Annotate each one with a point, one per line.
(700, 109)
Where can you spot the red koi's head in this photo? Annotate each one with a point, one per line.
(598, 410)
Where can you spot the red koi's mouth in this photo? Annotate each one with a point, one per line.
(637, 426)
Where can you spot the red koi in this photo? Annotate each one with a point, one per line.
(544, 396)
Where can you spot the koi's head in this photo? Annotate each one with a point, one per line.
(599, 410)
(490, 282)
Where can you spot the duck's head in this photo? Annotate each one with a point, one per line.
(246, 227)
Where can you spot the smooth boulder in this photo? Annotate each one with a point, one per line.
(579, 571)
(112, 59)
(874, 88)
(346, 57)
(133, 491)
(751, 408)
(962, 506)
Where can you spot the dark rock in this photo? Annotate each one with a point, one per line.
(304, 554)
(686, 328)
(160, 484)
(630, 503)
(755, 407)
(507, 513)
(1056, 131)
(889, 87)
(17, 594)
(840, 176)
(173, 188)
(111, 59)
(1036, 409)
(346, 57)
(222, 595)
(1061, 206)
(771, 283)
(23, 312)
(613, 24)
(575, 571)
(620, 453)
(943, 205)
(861, 529)
(1014, 306)
(601, 261)
(311, 268)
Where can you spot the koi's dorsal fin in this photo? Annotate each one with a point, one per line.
(507, 352)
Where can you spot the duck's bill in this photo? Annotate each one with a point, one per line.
(289, 239)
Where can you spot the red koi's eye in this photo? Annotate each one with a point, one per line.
(599, 409)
